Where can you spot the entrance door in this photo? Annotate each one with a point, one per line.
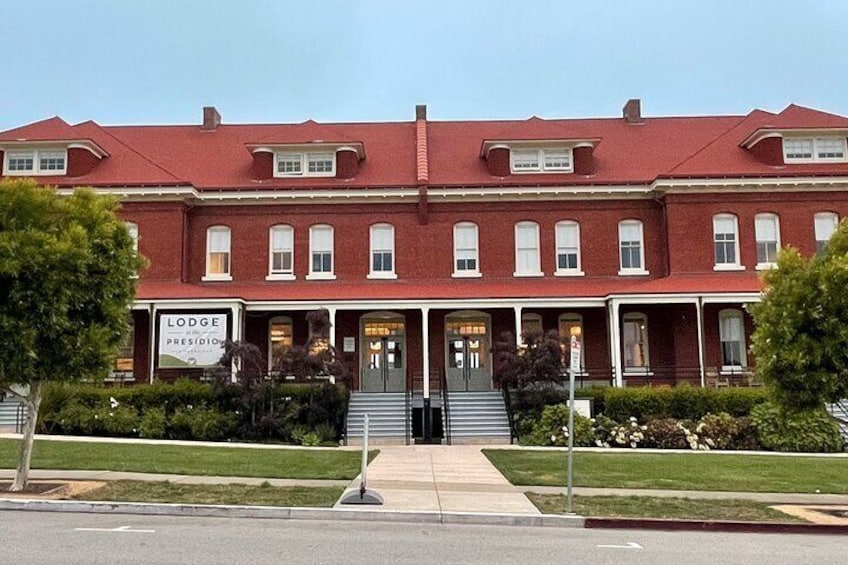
(468, 354)
(384, 355)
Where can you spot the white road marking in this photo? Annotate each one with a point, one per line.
(630, 545)
(128, 529)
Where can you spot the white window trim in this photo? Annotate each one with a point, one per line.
(304, 164)
(531, 274)
(815, 158)
(830, 216)
(771, 264)
(737, 265)
(575, 318)
(541, 168)
(330, 276)
(36, 163)
(384, 275)
(733, 369)
(578, 272)
(468, 273)
(228, 276)
(279, 275)
(632, 317)
(629, 271)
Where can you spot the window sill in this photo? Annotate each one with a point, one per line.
(765, 266)
(734, 370)
(34, 173)
(633, 273)
(528, 275)
(280, 277)
(216, 278)
(382, 276)
(571, 273)
(320, 277)
(638, 372)
(728, 267)
(467, 275)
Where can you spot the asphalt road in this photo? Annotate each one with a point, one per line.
(90, 539)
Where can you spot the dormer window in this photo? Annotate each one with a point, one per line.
(305, 165)
(36, 162)
(813, 149)
(540, 160)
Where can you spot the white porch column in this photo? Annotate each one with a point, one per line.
(699, 306)
(236, 334)
(331, 310)
(425, 348)
(153, 342)
(615, 342)
(518, 310)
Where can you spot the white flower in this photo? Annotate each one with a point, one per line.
(553, 437)
(113, 403)
(633, 418)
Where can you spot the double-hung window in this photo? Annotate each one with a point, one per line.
(732, 335)
(465, 250)
(36, 162)
(825, 224)
(527, 261)
(382, 252)
(635, 342)
(541, 160)
(281, 256)
(726, 242)
(568, 249)
(218, 253)
(631, 248)
(321, 252)
(767, 234)
(297, 164)
(567, 324)
(813, 149)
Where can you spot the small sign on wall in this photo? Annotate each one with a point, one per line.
(349, 345)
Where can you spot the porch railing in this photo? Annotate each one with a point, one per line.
(443, 390)
(408, 406)
(510, 416)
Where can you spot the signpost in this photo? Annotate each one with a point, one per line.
(573, 365)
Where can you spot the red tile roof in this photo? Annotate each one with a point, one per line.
(625, 154)
(453, 289)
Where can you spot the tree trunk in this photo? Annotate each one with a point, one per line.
(33, 402)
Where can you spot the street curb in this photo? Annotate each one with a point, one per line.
(286, 513)
(712, 526)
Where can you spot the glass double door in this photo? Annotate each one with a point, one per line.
(384, 356)
(468, 354)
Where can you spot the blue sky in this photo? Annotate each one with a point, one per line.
(288, 61)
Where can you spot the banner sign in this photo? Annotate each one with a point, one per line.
(191, 340)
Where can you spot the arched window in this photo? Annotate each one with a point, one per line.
(218, 253)
(631, 248)
(465, 250)
(527, 261)
(726, 241)
(281, 253)
(568, 249)
(635, 341)
(825, 224)
(731, 328)
(280, 331)
(321, 252)
(382, 243)
(567, 324)
(767, 233)
(531, 324)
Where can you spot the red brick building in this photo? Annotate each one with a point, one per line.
(648, 233)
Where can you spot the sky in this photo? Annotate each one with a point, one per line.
(160, 62)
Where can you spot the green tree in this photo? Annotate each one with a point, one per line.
(67, 277)
(801, 336)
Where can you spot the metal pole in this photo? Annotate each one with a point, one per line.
(574, 363)
(363, 485)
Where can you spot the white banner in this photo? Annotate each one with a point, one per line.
(191, 340)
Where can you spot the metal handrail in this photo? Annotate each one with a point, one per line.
(509, 415)
(443, 380)
(408, 406)
(20, 416)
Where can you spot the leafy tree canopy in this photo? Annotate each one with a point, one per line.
(801, 336)
(67, 269)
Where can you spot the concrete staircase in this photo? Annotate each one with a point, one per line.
(839, 410)
(477, 417)
(387, 413)
(9, 416)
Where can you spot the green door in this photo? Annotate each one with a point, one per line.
(468, 354)
(384, 356)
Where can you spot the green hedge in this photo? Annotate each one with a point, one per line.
(646, 403)
(192, 410)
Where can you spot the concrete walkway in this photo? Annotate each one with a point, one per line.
(438, 478)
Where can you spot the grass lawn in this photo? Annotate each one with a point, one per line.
(189, 460)
(651, 507)
(264, 495)
(701, 471)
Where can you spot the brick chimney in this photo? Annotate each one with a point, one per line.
(211, 118)
(632, 111)
(420, 111)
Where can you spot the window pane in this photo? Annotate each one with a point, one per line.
(825, 225)
(322, 239)
(21, 161)
(219, 263)
(556, 159)
(798, 148)
(289, 163)
(830, 148)
(766, 228)
(635, 342)
(320, 162)
(525, 159)
(219, 240)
